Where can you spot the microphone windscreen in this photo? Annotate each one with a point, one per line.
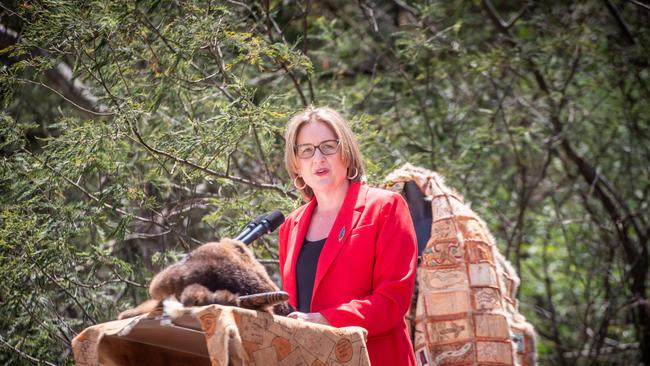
(257, 220)
(250, 226)
(275, 219)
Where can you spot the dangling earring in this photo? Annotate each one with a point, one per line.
(296, 185)
(356, 172)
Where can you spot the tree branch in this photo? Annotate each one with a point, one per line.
(104, 204)
(70, 89)
(208, 170)
(283, 65)
(66, 98)
(625, 29)
(23, 354)
(638, 3)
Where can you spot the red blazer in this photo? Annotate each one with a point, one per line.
(366, 270)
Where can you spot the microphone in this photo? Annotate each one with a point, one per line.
(268, 224)
(250, 226)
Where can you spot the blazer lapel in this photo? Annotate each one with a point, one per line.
(345, 221)
(297, 237)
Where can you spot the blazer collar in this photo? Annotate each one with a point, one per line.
(346, 219)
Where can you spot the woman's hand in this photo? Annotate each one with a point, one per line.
(309, 317)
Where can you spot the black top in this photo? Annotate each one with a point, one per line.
(306, 272)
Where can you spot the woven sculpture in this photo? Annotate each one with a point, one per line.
(466, 312)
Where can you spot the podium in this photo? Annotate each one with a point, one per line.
(219, 335)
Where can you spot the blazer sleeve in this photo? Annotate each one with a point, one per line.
(393, 275)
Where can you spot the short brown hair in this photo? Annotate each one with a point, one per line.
(350, 152)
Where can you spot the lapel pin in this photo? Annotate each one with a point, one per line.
(342, 233)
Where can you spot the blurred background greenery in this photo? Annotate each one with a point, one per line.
(133, 131)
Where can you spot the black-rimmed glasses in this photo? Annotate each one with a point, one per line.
(327, 147)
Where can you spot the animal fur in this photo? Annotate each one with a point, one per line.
(214, 273)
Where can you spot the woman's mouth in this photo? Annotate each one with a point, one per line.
(321, 172)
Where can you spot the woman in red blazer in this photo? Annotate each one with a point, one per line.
(348, 256)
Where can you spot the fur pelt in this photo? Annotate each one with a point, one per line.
(214, 273)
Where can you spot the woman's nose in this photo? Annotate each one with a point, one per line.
(318, 155)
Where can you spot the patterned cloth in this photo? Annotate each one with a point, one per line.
(466, 312)
(219, 336)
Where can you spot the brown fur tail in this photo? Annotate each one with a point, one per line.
(260, 301)
(144, 308)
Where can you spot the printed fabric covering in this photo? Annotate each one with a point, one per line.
(218, 335)
(466, 312)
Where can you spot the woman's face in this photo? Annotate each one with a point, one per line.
(323, 173)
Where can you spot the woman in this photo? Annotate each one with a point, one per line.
(348, 256)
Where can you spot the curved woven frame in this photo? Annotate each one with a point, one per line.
(466, 312)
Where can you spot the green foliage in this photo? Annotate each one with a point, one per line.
(177, 140)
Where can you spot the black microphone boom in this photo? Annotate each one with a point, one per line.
(267, 225)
